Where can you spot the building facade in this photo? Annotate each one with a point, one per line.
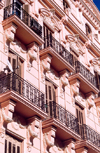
(49, 76)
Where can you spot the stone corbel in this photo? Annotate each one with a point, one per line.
(75, 85)
(32, 130)
(32, 54)
(95, 62)
(45, 65)
(90, 101)
(69, 145)
(9, 31)
(7, 111)
(63, 80)
(49, 137)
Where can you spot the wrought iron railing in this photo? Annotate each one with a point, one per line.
(25, 89)
(58, 112)
(24, 16)
(86, 133)
(80, 68)
(90, 135)
(50, 41)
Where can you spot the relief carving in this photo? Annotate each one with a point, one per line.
(32, 54)
(63, 80)
(74, 44)
(48, 17)
(9, 35)
(90, 101)
(45, 65)
(95, 62)
(17, 46)
(6, 117)
(75, 85)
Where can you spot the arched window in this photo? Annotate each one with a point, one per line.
(65, 4)
(88, 29)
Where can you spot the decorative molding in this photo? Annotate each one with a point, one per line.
(32, 54)
(45, 65)
(74, 44)
(49, 16)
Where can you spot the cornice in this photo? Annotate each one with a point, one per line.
(82, 4)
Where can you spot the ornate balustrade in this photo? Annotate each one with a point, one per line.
(58, 112)
(20, 86)
(24, 16)
(50, 41)
(90, 135)
(80, 68)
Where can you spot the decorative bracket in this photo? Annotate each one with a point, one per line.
(90, 101)
(63, 80)
(45, 65)
(9, 30)
(32, 54)
(75, 85)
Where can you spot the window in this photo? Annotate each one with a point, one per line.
(12, 145)
(16, 63)
(65, 4)
(47, 36)
(50, 91)
(80, 116)
(88, 30)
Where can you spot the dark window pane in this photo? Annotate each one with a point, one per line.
(5, 146)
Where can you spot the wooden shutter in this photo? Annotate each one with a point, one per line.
(50, 90)
(12, 145)
(80, 116)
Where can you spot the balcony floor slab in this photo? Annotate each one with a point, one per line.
(85, 85)
(23, 32)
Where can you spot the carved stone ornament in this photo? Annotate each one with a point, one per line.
(49, 17)
(95, 62)
(2, 135)
(63, 80)
(52, 74)
(45, 65)
(17, 46)
(9, 35)
(47, 141)
(74, 44)
(90, 100)
(75, 85)
(5, 117)
(16, 123)
(32, 54)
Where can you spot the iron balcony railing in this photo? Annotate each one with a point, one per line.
(80, 68)
(90, 135)
(25, 89)
(58, 112)
(50, 41)
(86, 133)
(24, 16)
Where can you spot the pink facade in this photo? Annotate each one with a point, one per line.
(49, 76)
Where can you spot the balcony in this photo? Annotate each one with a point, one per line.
(28, 29)
(29, 100)
(91, 139)
(61, 57)
(88, 81)
(66, 123)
